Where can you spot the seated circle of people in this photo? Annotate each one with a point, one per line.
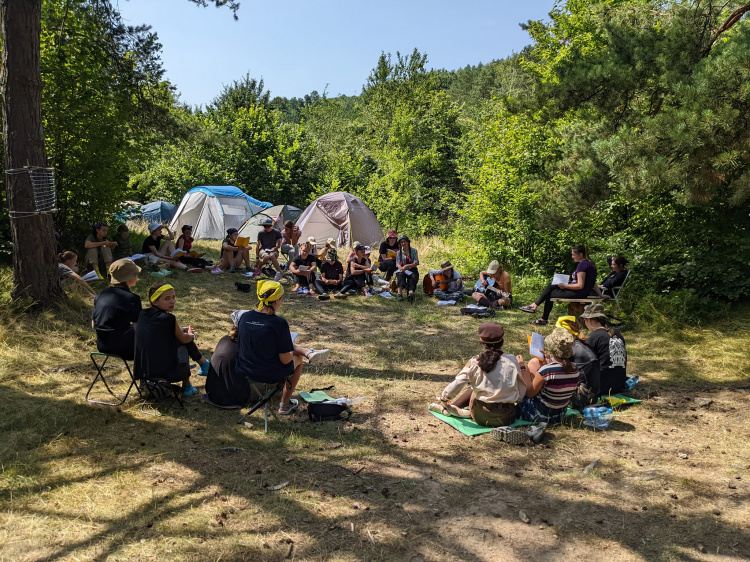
(305, 271)
(447, 282)
(185, 243)
(407, 274)
(358, 274)
(290, 236)
(332, 273)
(266, 352)
(67, 270)
(549, 386)
(494, 380)
(117, 311)
(223, 385)
(124, 248)
(98, 249)
(586, 362)
(233, 255)
(616, 277)
(581, 284)
(267, 247)
(387, 253)
(493, 288)
(159, 247)
(609, 347)
(163, 349)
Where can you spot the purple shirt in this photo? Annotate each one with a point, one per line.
(589, 269)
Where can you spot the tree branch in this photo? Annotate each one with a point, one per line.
(733, 18)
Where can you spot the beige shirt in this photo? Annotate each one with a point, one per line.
(502, 384)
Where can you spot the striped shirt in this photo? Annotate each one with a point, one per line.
(559, 386)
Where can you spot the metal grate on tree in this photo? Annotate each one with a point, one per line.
(43, 185)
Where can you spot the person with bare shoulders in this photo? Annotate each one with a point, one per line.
(159, 247)
(98, 249)
(493, 289)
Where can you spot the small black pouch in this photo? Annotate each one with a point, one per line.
(317, 411)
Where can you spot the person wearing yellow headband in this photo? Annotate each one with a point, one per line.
(267, 353)
(162, 348)
(586, 361)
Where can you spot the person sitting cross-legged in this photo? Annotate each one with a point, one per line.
(332, 273)
(493, 289)
(357, 270)
(451, 287)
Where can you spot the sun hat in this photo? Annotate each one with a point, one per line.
(568, 323)
(332, 254)
(154, 225)
(446, 265)
(491, 332)
(232, 230)
(493, 267)
(593, 310)
(330, 241)
(236, 315)
(311, 240)
(123, 270)
(559, 343)
(392, 234)
(268, 221)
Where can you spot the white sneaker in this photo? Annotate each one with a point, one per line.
(278, 276)
(317, 356)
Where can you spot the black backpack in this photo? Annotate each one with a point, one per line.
(317, 411)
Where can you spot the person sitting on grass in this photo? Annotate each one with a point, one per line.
(98, 249)
(387, 253)
(407, 275)
(586, 362)
(67, 268)
(609, 347)
(581, 284)
(163, 350)
(117, 310)
(266, 351)
(549, 387)
(357, 270)
(616, 278)
(451, 287)
(159, 248)
(185, 243)
(224, 386)
(493, 289)
(305, 270)
(232, 255)
(122, 239)
(495, 384)
(290, 240)
(332, 273)
(267, 247)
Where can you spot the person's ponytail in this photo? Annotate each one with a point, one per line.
(490, 356)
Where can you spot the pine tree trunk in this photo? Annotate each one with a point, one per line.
(34, 264)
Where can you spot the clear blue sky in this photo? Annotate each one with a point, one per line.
(299, 46)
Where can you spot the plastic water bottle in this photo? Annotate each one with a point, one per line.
(631, 382)
(597, 416)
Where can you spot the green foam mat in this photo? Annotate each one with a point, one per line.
(469, 427)
(317, 396)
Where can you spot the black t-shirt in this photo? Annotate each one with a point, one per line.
(229, 242)
(614, 279)
(267, 240)
(332, 271)
(363, 261)
(155, 344)
(261, 337)
(149, 243)
(309, 261)
(384, 247)
(587, 364)
(115, 309)
(612, 359)
(223, 385)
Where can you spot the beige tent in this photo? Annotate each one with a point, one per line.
(340, 216)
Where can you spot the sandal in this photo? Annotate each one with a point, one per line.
(540, 322)
(286, 409)
(527, 308)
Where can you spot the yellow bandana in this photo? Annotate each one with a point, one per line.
(264, 286)
(159, 292)
(565, 323)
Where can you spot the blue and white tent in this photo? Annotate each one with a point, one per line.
(158, 211)
(211, 210)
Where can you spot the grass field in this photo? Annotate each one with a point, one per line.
(83, 482)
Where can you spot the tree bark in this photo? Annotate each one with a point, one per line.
(34, 264)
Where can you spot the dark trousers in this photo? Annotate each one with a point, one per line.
(333, 288)
(408, 282)
(354, 282)
(306, 281)
(388, 267)
(552, 292)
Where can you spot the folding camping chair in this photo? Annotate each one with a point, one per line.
(100, 375)
(263, 397)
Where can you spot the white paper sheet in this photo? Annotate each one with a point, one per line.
(136, 257)
(90, 276)
(560, 278)
(537, 345)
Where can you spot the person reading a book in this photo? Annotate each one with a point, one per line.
(234, 251)
(447, 282)
(332, 273)
(159, 247)
(358, 274)
(267, 247)
(407, 276)
(116, 311)
(609, 347)
(185, 244)
(122, 239)
(494, 384)
(163, 349)
(67, 268)
(616, 277)
(581, 284)
(493, 289)
(586, 361)
(98, 249)
(266, 351)
(290, 240)
(305, 270)
(387, 253)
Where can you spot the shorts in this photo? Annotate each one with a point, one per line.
(262, 254)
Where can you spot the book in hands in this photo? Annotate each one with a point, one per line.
(391, 254)
(177, 254)
(536, 345)
(560, 278)
(242, 242)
